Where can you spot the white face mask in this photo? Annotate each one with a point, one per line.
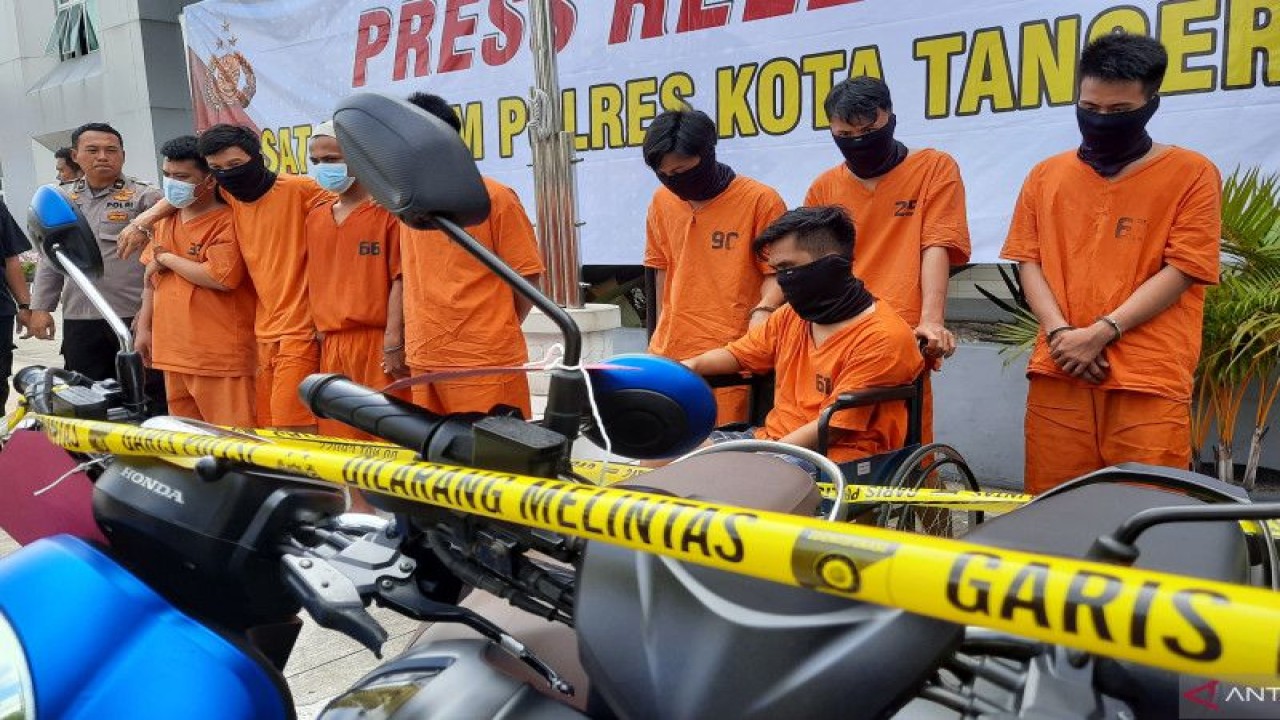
(332, 176)
(179, 193)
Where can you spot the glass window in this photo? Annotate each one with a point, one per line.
(75, 31)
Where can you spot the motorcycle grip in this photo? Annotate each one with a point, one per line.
(336, 397)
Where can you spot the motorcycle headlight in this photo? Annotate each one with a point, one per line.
(16, 699)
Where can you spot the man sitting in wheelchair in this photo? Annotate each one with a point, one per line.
(831, 337)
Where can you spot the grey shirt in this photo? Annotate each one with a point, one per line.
(108, 211)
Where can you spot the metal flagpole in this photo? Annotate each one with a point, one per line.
(554, 178)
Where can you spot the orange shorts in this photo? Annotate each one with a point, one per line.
(1072, 431)
(282, 366)
(357, 354)
(474, 394)
(217, 400)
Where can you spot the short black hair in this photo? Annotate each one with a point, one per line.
(222, 136)
(184, 147)
(94, 127)
(437, 106)
(820, 230)
(685, 131)
(64, 154)
(1123, 57)
(857, 99)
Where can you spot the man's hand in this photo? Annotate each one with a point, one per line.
(142, 343)
(132, 239)
(939, 341)
(153, 271)
(1080, 352)
(393, 363)
(40, 326)
(22, 321)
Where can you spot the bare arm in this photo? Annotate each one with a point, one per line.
(1151, 298)
(142, 340)
(190, 270)
(393, 338)
(659, 286)
(714, 362)
(935, 274)
(1040, 297)
(17, 282)
(770, 297)
(135, 235)
(805, 436)
(523, 305)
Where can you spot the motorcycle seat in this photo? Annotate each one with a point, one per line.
(743, 479)
(1066, 524)
(760, 482)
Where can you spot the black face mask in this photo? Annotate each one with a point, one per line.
(875, 153)
(1113, 140)
(246, 182)
(825, 290)
(702, 182)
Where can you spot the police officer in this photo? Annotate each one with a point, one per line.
(109, 200)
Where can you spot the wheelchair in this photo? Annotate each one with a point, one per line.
(914, 466)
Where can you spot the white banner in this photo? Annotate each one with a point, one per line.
(991, 83)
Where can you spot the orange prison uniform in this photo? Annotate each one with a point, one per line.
(350, 268)
(202, 338)
(270, 231)
(459, 314)
(1097, 241)
(713, 278)
(917, 205)
(876, 350)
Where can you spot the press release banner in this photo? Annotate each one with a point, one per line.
(991, 83)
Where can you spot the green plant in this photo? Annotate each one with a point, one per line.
(1240, 342)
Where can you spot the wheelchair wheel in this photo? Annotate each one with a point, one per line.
(938, 467)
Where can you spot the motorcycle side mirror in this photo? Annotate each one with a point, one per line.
(417, 167)
(62, 234)
(66, 241)
(412, 163)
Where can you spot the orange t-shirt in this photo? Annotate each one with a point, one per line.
(270, 231)
(1098, 240)
(713, 278)
(878, 350)
(917, 205)
(350, 266)
(196, 330)
(457, 312)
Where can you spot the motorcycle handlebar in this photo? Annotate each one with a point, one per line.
(335, 397)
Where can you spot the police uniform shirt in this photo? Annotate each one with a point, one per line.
(12, 242)
(108, 211)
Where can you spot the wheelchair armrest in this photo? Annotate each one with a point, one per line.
(730, 380)
(860, 398)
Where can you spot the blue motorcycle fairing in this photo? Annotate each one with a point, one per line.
(101, 644)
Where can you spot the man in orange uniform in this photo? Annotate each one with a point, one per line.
(909, 208)
(459, 314)
(353, 279)
(268, 212)
(196, 322)
(1116, 241)
(831, 337)
(710, 286)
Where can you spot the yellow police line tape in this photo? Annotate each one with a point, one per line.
(1181, 624)
(593, 470)
(597, 472)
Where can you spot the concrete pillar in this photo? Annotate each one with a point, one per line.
(598, 323)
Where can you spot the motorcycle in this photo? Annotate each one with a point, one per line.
(685, 592)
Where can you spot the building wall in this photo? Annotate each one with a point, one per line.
(136, 81)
